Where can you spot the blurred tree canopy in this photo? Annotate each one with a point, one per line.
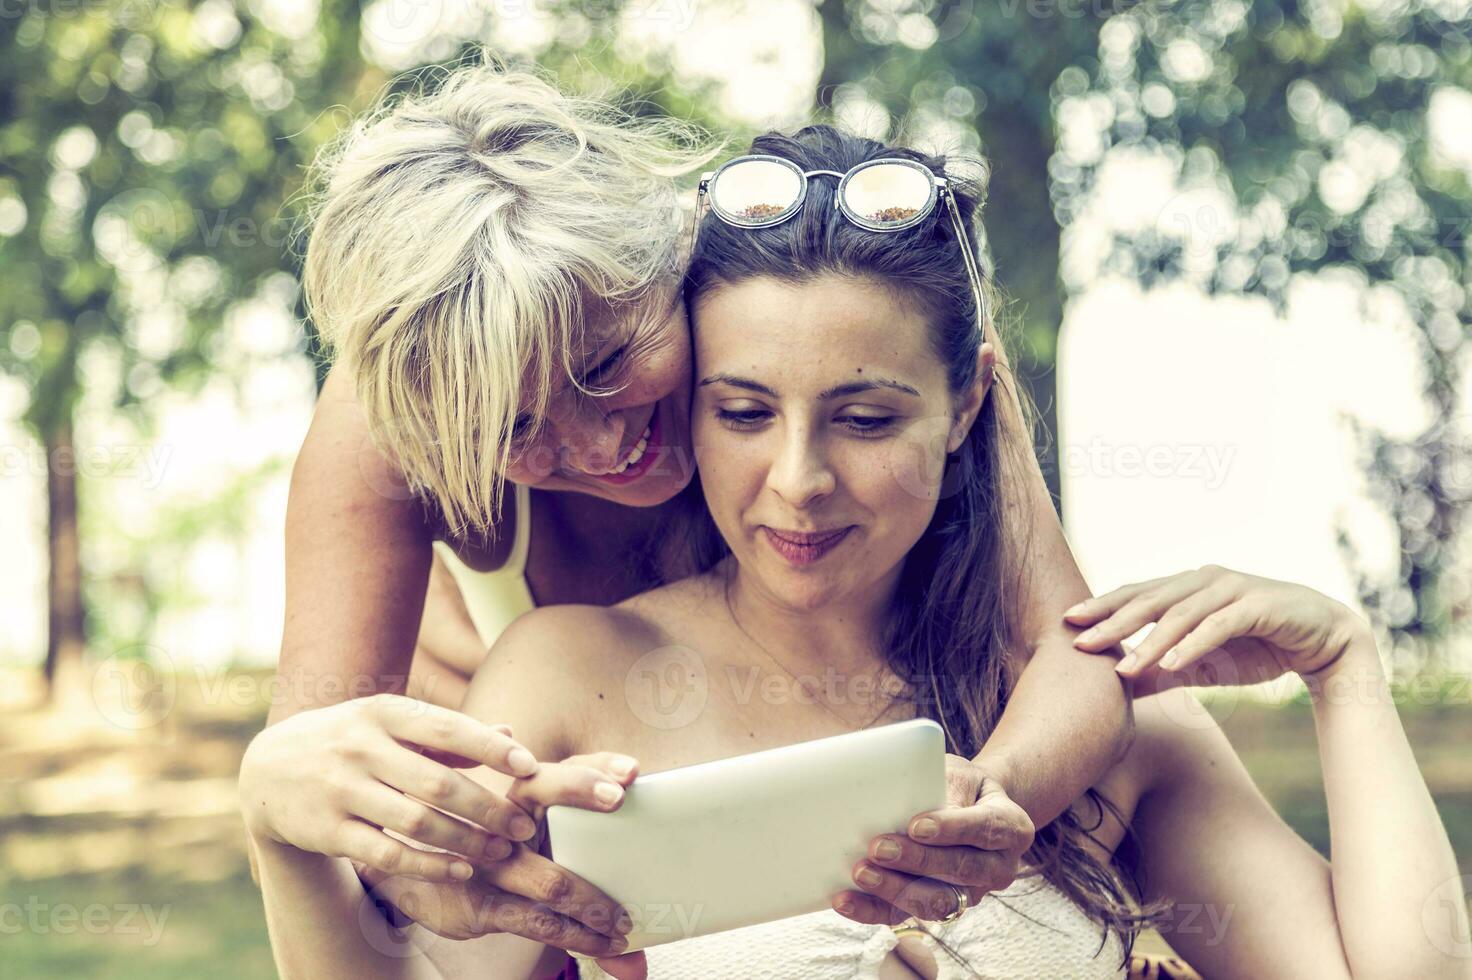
(1315, 120)
(152, 154)
(146, 153)
(152, 151)
(1308, 120)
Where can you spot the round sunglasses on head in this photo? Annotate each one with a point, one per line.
(881, 195)
(886, 195)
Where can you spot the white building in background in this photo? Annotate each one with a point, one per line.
(1197, 430)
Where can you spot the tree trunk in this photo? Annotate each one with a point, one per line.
(1018, 138)
(1025, 244)
(66, 634)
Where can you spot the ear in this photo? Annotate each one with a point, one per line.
(971, 401)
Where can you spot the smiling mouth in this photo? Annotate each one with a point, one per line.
(808, 538)
(639, 458)
(636, 452)
(805, 547)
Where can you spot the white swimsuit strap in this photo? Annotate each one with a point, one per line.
(521, 544)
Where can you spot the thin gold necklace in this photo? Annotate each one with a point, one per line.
(731, 611)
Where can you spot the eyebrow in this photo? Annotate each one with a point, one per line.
(838, 391)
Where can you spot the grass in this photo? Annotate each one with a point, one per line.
(142, 925)
(102, 827)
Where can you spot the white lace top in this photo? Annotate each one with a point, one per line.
(1029, 930)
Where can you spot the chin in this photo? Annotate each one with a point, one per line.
(649, 492)
(803, 591)
(807, 601)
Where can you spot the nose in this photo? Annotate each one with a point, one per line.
(589, 437)
(801, 473)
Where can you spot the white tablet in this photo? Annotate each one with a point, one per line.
(753, 838)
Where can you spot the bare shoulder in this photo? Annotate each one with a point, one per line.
(339, 443)
(558, 675)
(579, 645)
(675, 607)
(580, 637)
(357, 557)
(343, 482)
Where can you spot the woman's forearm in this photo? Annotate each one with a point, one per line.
(1067, 721)
(1069, 717)
(322, 923)
(1397, 895)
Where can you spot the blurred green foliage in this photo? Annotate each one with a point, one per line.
(1310, 120)
(153, 152)
(147, 152)
(151, 148)
(153, 159)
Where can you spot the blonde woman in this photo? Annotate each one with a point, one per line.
(496, 267)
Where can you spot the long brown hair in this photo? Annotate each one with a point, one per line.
(953, 629)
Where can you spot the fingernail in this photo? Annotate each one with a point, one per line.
(618, 944)
(461, 870)
(625, 923)
(522, 827)
(498, 848)
(868, 876)
(1126, 665)
(924, 827)
(1171, 660)
(1087, 636)
(887, 850)
(622, 765)
(608, 793)
(1074, 610)
(844, 906)
(522, 762)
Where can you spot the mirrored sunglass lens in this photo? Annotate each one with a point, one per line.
(755, 190)
(887, 194)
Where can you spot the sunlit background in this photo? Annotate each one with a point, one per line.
(1234, 236)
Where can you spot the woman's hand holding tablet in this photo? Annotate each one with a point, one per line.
(975, 842)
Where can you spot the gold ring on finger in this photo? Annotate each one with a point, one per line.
(963, 902)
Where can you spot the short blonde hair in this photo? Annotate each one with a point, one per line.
(461, 236)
